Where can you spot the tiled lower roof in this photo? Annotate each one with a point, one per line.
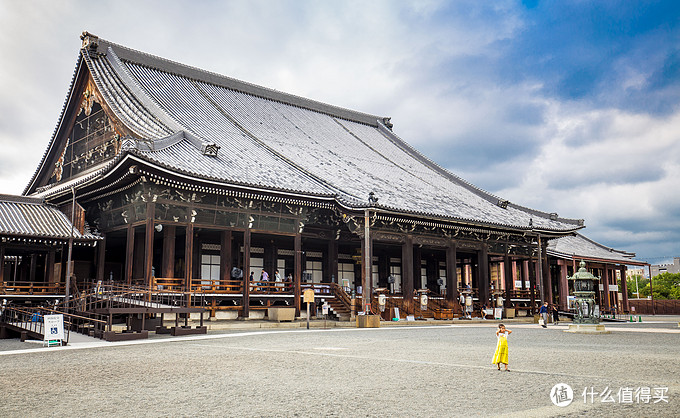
(579, 247)
(30, 217)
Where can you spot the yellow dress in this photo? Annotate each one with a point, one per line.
(501, 354)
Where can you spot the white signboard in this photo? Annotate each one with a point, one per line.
(518, 284)
(601, 286)
(498, 313)
(613, 288)
(54, 327)
(324, 308)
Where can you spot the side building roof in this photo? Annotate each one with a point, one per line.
(579, 247)
(28, 217)
(212, 127)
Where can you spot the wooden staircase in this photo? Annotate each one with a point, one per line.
(338, 310)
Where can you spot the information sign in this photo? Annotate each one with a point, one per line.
(308, 296)
(54, 327)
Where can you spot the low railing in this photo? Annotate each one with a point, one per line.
(31, 288)
(32, 320)
(268, 287)
(168, 283)
(217, 286)
(111, 295)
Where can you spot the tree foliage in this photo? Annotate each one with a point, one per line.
(664, 286)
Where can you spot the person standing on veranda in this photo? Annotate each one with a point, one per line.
(501, 354)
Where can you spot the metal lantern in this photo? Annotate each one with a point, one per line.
(584, 291)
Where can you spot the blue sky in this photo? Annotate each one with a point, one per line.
(563, 106)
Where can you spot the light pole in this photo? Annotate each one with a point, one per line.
(70, 247)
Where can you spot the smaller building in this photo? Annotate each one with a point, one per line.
(606, 263)
(34, 238)
(666, 268)
(631, 272)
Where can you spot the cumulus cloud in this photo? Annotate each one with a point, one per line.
(568, 107)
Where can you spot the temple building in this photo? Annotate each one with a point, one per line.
(608, 264)
(193, 181)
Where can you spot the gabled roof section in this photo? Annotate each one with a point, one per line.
(577, 247)
(272, 140)
(22, 216)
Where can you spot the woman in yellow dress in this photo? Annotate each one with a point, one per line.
(501, 354)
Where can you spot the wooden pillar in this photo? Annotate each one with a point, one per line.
(563, 286)
(101, 259)
(483, 274)
(49, 265)
(508, 279)
(168, 262)
(333, 261)
(225, 256)
(417, 268)
(547, 278)
(525, 274)
(297, 273)
(532, 286)
(624, 289)
(188, 256)
(33, 268)
(138, 264)
(196, 256)
(129, 253)
(270, 254)
(451, 273)
(245, 312)
(148, 243)
(605, 288)
(407, 272)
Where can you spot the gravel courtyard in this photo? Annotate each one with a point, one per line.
(391, 371)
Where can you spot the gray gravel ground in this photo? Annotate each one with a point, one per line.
(396, 371)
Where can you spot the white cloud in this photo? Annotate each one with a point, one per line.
(431, 65)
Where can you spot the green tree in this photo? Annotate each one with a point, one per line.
(665, 286)
(632, 288)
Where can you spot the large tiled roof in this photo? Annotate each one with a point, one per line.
(30, 217)
(579, 247)
(276, 141)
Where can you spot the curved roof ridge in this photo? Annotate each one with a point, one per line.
(173, 67)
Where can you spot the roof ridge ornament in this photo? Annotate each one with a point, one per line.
(89, 41)
(388, 123)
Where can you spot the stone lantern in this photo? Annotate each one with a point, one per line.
(585, 320)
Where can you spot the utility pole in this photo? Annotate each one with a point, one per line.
(366, 291)
(70, 246)
(540, 269)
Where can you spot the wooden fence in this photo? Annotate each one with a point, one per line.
(661, 306)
